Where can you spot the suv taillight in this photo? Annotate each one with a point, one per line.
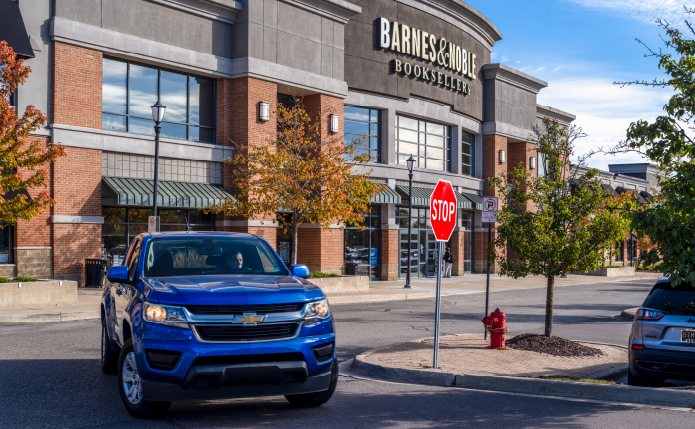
(647, 314)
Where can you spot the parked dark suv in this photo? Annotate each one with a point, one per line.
(662, 342)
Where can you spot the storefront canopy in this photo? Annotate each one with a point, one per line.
(387, 196)
(477, 200)
(421, 197)
(128, 191)
(12, 29)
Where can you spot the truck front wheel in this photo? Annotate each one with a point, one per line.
(318, 398)
(130, 387)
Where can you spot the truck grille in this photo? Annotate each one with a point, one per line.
(237, 333)
(241, 309)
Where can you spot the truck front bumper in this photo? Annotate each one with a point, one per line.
(232, 381)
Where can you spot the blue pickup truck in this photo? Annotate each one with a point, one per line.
(211, 315)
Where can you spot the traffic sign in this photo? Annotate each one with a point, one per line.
(153, 224)
(490, 205)
(443, 210)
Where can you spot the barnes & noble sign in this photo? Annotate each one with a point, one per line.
(428, 47)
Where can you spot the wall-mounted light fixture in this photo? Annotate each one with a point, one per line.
(532, 163)
(264, 110)
(503, 157)
(335, 123)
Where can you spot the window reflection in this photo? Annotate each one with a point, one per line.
(429, 143)
(129, 90)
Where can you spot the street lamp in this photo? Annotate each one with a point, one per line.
(157, 115)
(410, 162)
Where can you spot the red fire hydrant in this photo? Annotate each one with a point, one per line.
(495, 324)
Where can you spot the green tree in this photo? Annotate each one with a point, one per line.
(301, 171)
(558, 221)
(670, 221)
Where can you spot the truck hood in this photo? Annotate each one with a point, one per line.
(231, 290)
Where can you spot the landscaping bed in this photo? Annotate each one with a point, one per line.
(554, 346)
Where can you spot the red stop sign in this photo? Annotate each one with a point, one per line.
(443, 210)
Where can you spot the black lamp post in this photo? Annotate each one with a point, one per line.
(411, 164)
(157, 115)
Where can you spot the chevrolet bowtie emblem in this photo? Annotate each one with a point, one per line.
(249, 319)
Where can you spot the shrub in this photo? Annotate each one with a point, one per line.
(4, 280)
(26, 279)
(319, 274)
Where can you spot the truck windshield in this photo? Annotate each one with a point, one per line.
(678, 301)
(210, 256)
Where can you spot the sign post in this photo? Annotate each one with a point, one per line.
(443, 220)
(153, 224)
(490, 206)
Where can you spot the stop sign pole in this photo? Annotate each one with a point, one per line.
(443, 221)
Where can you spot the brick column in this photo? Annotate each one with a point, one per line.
(492, 167)
(457, 251)
(76, 177)
(390, 259)
(239, 125)
(322, 249)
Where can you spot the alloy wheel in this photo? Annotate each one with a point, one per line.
(132, 385)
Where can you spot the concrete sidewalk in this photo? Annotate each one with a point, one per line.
(88, 300)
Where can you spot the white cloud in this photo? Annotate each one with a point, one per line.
(557, 68)
(493, 56)
(505, 58)
(643, 10)
(518, 61)
(604, 111)
(523, 68)
(540, 69)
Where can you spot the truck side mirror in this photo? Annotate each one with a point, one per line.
(118, 274)
(300, 270)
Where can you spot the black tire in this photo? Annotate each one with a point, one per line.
(109, 353)
(142, 408)
(309, 400)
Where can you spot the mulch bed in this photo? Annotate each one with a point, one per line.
(551, 345)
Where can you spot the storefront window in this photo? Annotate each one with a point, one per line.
(619, 251)
(364, 247)
(468, 154)
(467, 222)
(429, 143)
(122, 224)
(362, 123)
(129, 90)
(6, 244)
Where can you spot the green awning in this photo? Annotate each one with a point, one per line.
(421, 196)
(387, 196)
(477, 200)
(129, 191)
(463, 202)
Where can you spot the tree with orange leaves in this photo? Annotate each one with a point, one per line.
(302, 172)
(21, 160)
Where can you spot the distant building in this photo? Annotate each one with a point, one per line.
(639, 178)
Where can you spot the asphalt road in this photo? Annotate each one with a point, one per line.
(50, 376)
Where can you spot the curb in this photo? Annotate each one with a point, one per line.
(629, 314)
(565, 389)
(48, 317)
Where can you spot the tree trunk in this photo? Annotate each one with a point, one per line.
(295, 227)
(549, 307)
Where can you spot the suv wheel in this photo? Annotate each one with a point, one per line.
(130, 387)
(319, 398)
(109, 356)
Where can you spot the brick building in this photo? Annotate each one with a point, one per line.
(414, 75)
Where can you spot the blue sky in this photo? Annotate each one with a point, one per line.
(580, 47)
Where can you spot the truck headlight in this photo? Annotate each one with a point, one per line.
(171, 315)
(317, 310)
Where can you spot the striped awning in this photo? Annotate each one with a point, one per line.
(131, 191)
(387, 196)
(421, 196)
(477, 200)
